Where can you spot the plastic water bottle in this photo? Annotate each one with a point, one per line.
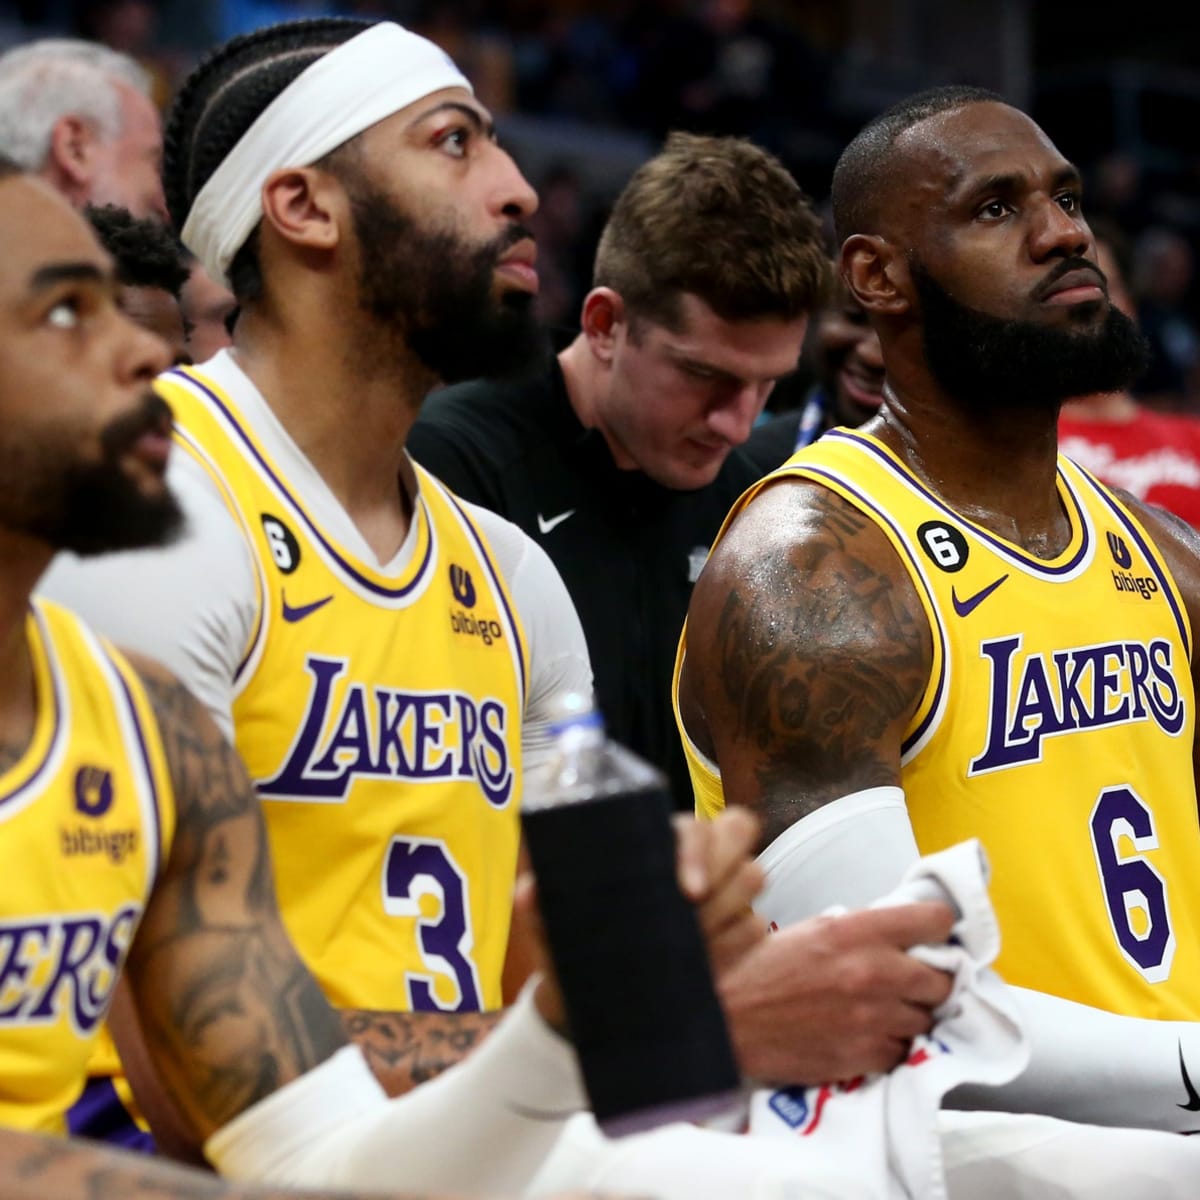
(643, 1012)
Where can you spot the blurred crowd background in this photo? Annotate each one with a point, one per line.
(584, 91)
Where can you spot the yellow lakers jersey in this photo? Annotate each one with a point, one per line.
(87, 816)
(1056, 726)
(380, 718)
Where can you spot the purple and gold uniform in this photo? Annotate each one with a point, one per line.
(379, 712)
(1056, 726)
(87, 814)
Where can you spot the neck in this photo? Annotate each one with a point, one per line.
(996, 468)
(586, 378)
(22, 562)
(347, 396)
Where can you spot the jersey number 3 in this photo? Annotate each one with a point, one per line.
(414, 868)
(1135, 893)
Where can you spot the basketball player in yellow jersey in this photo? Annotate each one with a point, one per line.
(934, 627)
(381, 654)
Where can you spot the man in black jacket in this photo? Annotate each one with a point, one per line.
(620, 457)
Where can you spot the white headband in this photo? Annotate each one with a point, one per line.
(376, 73)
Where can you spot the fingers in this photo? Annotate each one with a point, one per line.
(927, 923)
(709, 852)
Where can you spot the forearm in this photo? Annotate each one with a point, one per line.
(52, 1168)
(334, 1126)
(404, 1049)
(1098, 1067)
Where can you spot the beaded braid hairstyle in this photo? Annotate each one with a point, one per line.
(218, 103)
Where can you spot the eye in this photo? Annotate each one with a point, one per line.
(1068, 202)
(64, 314)
(454, 140)
(993, 210)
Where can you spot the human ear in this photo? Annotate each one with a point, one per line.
(875, 273)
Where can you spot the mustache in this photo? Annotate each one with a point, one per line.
(510, 237)
(1065, 267)
(152, 414)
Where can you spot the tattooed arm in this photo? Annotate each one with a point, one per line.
(404, 1049)
(807, 655)
(52, 1168)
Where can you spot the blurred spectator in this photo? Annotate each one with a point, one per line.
(208, 311)
(131, 28)
(563, 266)
(848, 389)
(1163, 271)
(151, 271)
(1153, 455)
(80, 115)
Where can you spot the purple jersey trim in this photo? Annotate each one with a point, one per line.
(496, 587)
(883, 518)
(57, 732)
(99, 1114)
(143, 749)
(386, 593)
(1150, 555)
(1006, 549)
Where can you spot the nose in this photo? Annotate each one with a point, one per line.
(1057, 233)
(514, 197)
(734, 418)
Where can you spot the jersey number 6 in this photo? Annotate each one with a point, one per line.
(1135, 893)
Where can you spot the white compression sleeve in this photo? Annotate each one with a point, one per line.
(1099, 1067)
(1085, 1065)
(485, 1125)
(848, 853)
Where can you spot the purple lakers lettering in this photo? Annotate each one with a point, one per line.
(1034, 696)
(380, 731)
(62, 965)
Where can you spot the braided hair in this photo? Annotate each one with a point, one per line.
(221, 99)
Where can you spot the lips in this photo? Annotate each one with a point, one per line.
(520, 264)
(1079, 284)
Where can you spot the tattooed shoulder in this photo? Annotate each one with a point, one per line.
(814, 651)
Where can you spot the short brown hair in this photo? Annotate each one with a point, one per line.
(721, 219)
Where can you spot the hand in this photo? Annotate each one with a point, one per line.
(835, 997)
(719, 875)
(715, 871)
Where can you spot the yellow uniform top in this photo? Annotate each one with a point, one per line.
(380, 717)
(1056, 726)
(87, 815)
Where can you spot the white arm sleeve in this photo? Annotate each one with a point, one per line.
(846, 854)
(1085, 1064)
(485, 1125)
(1100, 1068)
(558, 653)
(190, 605)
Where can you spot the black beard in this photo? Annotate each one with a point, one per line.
(89, 508)
(992, 364)
(438, 291)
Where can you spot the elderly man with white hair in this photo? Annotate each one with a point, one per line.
(80, 115)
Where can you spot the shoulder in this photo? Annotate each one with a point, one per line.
(1177, 542)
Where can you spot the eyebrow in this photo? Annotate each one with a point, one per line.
(69, 272)
(485, 127)
(1006, 183)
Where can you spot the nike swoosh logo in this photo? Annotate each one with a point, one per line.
(545, 524)
(964, 608)
(1193, 1100)
(292, 615)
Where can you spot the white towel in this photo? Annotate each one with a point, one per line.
(881, 1130)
